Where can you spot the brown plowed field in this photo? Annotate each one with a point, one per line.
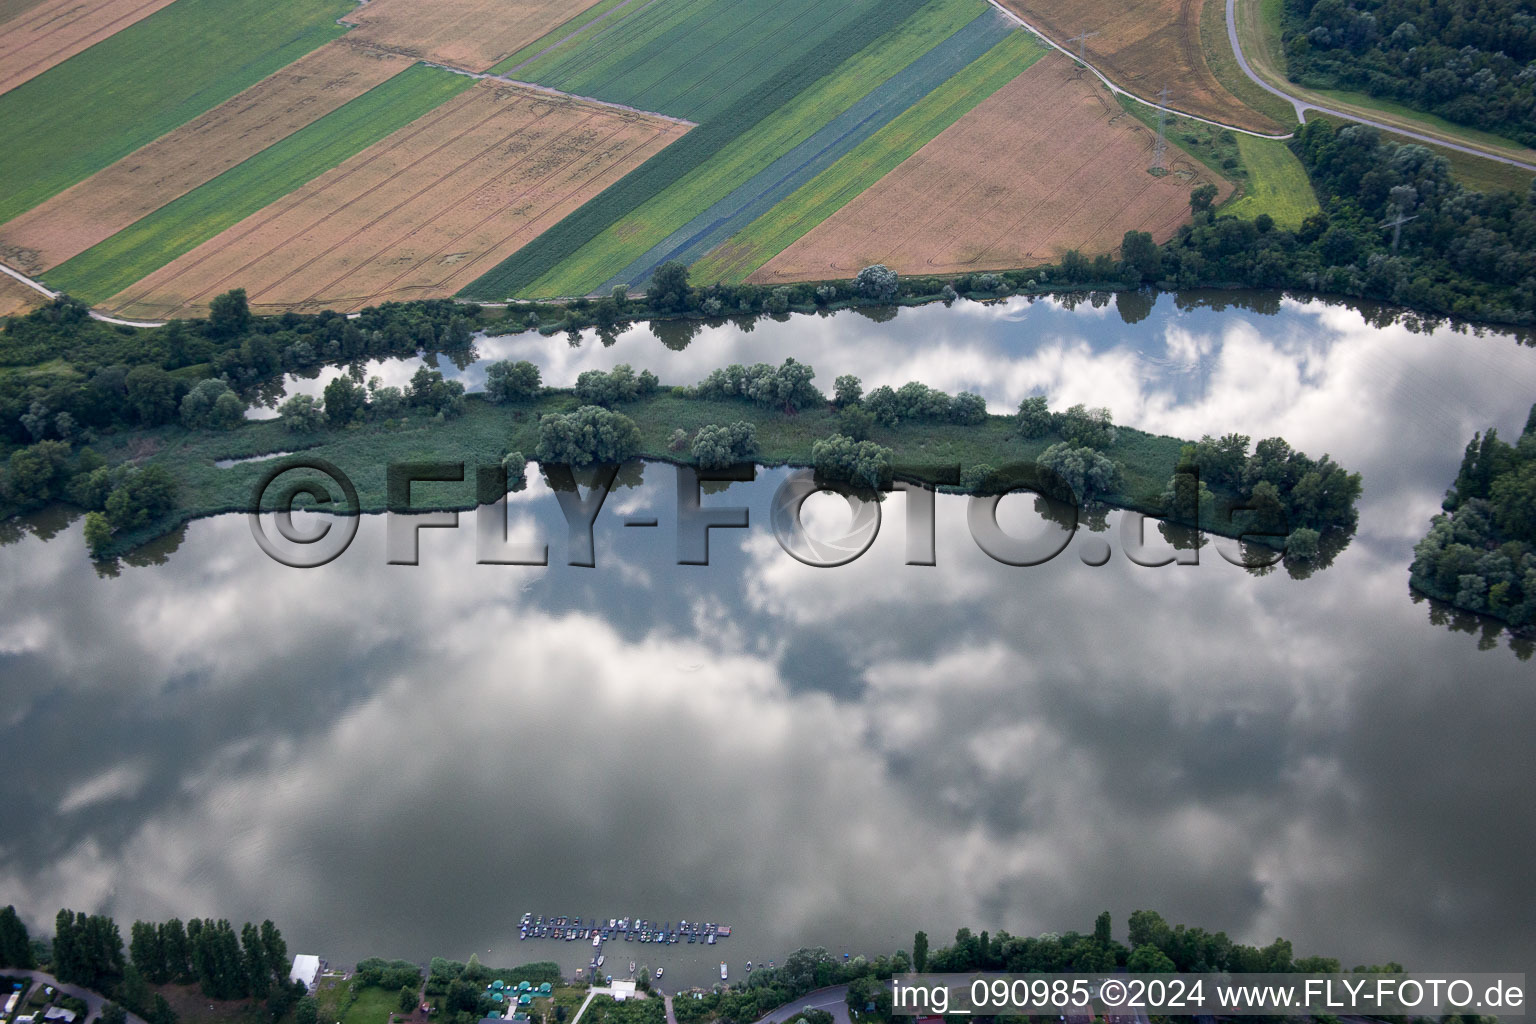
(471, 34)
(420, 214)
(1047, 163)
(16, 297)
(198, 151)
(1143, 45)
(35, 37)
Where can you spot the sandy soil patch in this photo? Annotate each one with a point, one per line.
(472, 34)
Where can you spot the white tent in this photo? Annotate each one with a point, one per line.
(306, 968)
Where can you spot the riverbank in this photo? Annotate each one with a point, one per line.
(935, 453)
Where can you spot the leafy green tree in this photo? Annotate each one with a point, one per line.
(877, 282)
(508, 381)
(590, 434)
(1086, 471)
(37, 471)
(1141, 256)
(210, 403)
(919, 952)
(113, 1014)
(621, 384)
(345, 401)
(1149, 959)
(142, 496)
(1034, 417)
(229, 314)
(856, 421)
(841, 458)
(407, 999)
(15, 944)
(1201, 197)
(847, 390)
(716, 446)
(668, 291)
(301, 414)
(787, 386)
(305, 1011)
(1086, 428)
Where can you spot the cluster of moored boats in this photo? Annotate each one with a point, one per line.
(569, 929)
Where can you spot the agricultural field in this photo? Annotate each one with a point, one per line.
(181, 225)
(697, 58)
(469, 34)
(420, 213)
(622, 222)
(203, 148)
(36, 36)
(79, 117)
(1144, 45)
(978, 196)
(868, 162)
(17, 298)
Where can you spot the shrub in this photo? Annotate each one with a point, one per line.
(1084, 470)
(301, 414)
(508, 381)
(840, 457)
(715, 446)
(594, 387)
(877, 282)
(590, 434)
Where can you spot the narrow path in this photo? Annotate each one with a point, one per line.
(1112, 87)
(1302, 105)
(40, 287)
(550, 91)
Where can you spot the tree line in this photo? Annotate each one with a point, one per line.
(1466, 62)
(1480, 552)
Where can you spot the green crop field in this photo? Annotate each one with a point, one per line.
(103, 103)
(871, 160)
(584, 24)
(696, 58)
(185, 223)
(635, 232)
(1277, 184)
(760, 131)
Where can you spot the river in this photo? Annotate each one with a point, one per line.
(402, 760)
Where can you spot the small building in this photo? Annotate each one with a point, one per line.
(306, 968)
(10, 1004)
(58, 1013)
(622, 990)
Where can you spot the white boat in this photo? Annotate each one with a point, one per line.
(600, 959)
(658, 972)
(631, 967)
(722, 970)
(597, 940)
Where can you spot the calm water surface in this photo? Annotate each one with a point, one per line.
(402, 760)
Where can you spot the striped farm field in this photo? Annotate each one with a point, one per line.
(588, 21)
(100, 105)
(696, 58)
(822, 149)
(181, 225)
(866, 164)
(635, 229)
(203, 148)
(1277, 184)
(979, 196)
(420, 213)
(34, 39)
(470, 34)
(747, 137)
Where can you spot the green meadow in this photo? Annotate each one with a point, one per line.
(1277, 184)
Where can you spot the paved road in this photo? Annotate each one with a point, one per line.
(1302, 105)
(1112, 87)
(94, 1002)
(834, 1000)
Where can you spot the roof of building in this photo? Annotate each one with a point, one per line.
(306, 968)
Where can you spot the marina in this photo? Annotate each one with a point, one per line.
(597, 930)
